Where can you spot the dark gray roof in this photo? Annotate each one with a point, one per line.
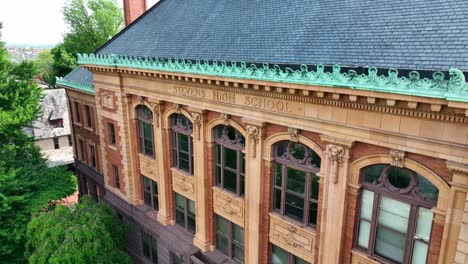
(80, 75)
(404, 34)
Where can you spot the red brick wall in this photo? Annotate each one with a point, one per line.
(113, 153)
(350, 220)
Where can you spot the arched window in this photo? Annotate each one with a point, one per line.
(230, 159)
(395, 218)
(295, 184)
(182, 143)
(145, 130)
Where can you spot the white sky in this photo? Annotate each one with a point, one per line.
(35, 21)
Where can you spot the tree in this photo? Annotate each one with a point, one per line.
(27, 184)
(91, 24)
(44, 63)
(87, 232)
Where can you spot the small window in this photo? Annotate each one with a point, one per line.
(116, 176)
(112, 134)
(175, 259)
(281, 256)
(89, 120)
(56, 123)
(93, 156)
(150, 247)
(230, 239)
(150, 196)
(82, 151)
(185, 213)
(70, 142)
(77, 113)
(56, 143)
(145, 130)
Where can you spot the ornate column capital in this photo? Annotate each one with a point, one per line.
(335, 153)
(460, 174)
(398, 158)
(156, 108)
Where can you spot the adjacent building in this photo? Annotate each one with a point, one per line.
(226, 131)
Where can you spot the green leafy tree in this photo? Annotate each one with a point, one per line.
(27, 184)
(91, 24)
(87, 232)
(44, 63)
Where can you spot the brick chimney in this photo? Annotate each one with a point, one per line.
(133, 9)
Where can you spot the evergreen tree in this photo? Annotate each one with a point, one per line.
(84, 233)
(27, 185)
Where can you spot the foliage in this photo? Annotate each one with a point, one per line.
(84, 233)
(27, 185)
(44, 63)
(91, 24)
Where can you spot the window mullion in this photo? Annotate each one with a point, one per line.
(307, 199)
(238, 188)
(221, 149)
(412, 222)
(373, 231)
(283, 188)
(230, 239)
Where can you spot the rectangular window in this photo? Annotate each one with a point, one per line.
(112, 134)
(116, 176)
(77, 113)
(56, 143)
(185, 213)
(145, 137)
(70, 142)
(82, 151)
(281, 256)
(175, 259)
(89, 121)
(150, 247)
(150, 189)
(230, 239)
(56, 123)
(93, 156)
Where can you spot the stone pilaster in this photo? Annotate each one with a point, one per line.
(455, 232)
(253, 190)
(201, 181)
(335, 173)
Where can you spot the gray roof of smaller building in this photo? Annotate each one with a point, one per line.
(54, 106)
(80, 75)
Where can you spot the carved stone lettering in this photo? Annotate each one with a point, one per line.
(188, 91)
(267, 104)
(224, 97)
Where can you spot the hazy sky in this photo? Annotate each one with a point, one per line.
(35, 21)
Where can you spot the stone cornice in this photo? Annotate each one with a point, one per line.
(453, 89)
(75, 85)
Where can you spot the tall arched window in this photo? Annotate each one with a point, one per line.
(395, 218)
(182, 143)
(295, 183)
(145, 130)
(230, 159)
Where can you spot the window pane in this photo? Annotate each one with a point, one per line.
(230, 158)
(180, 201)
(278, 255)
(372, 173)
(148, 131)
(390, 244)
(155, 250)
(155, 196)
(277, 199)
(314, 187)
(221, 225)
(295, 180)
(183, 142)
(175, 259)
(427, 190)
(218, 154)
(191, 225)
(278, 175)
(299, 261)
(424, 224)
(364, 231)
(146, 244)
(419, 252)
(191, 207)
(399, 177)
(222, 244)
(180, 218)
(367, 203)
(237, 234)
(218, 175)
(394, 214)
(313, 213)
(294, 207)
(230, 180)
(281, 147)
(184, 161)
(242, 185)
(242, 162)
(238, 253)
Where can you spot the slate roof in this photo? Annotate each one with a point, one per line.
(402, 34)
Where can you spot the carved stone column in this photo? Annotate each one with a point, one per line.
(335, 173)
(201, 181)
(253, 190)
(455, 211)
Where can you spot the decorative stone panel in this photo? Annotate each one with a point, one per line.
(183, 184)
(107, 100)
(229, 206)
(148, 167)
(360, 258)
(292, 237)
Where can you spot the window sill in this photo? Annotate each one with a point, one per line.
(181, 172)
(91, 129)
(293, 221)
(77, 124)
(113, 147)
